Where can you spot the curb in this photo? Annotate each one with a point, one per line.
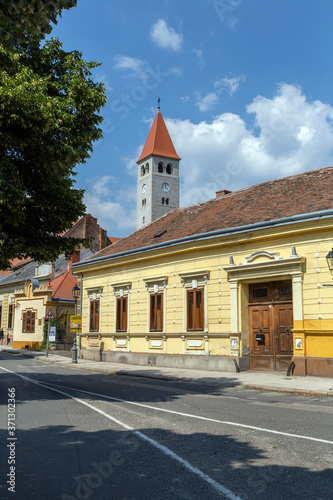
(287, 390)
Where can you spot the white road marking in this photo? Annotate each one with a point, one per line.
(235, 424)
(217, 486)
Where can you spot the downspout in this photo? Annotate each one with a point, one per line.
(79, 339)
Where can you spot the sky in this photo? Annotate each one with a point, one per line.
(245, 87)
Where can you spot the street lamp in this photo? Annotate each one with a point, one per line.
(329, 258)
(75, 294)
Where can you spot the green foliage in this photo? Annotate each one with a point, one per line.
(22, 20)
(49, 119)
(61, 332)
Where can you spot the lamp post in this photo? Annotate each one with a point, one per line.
(75, 294)
(329, 258)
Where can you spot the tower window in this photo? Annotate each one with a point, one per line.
(144, 202)
(147, 168)
(160, 168)
(163, 201)
(169, 169)
(143, 220)
(167, 201)
(142, 170)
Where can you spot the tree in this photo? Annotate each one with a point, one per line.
(23, 19)
(49, 117)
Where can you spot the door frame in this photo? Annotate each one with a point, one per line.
(259, 267)
(266, 300)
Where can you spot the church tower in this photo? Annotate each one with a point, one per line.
(158, 175)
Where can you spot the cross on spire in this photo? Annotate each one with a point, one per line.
(158, 103)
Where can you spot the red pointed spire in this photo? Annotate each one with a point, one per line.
(158, 141)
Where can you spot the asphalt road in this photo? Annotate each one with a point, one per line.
(85, 435)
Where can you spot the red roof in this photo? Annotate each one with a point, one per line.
(158, 141)
(291, 196)
(113, 239)
(5, 273)
(19, 262)
(62, 286)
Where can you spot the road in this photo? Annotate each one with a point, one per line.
(86, 435)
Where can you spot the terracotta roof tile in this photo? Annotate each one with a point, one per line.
(294, 195)
(158, 141)
(62, 286)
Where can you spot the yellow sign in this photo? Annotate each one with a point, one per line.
(76, 324)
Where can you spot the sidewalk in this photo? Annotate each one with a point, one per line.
(270, 381)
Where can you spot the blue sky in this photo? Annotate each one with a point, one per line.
(245, 86)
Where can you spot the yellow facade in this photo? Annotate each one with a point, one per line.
(39, 301)
(261, 256)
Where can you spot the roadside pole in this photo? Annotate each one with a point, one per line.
(47, 341)
(48, 318)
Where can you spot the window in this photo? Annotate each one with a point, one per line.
(121, 320)
(143, 220)
(195, 316)
(167, 201)
(147, 168)
(163, 201)
(169, 169)
(10, 315)
(156, 312)
(28, 323)
(144, 202)
(142, 170)
(94, 316)
(0, 315)
(160, 168)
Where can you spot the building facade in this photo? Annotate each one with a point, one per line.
(231, 284)
(30, 287)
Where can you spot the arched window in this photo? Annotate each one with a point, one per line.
(142, 170)
(167, 201)
(147, 168)
(169, 169)
(163, 201)
(160, 168)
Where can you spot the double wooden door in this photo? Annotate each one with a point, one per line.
(271, 321)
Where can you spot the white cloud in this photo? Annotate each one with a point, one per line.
(200, 57)
(166, 37)
(115, 209)
(291, 135)
(128, 63)
(208, 102)
(176, 71)
(231, 85)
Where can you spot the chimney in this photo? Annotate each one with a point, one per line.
(223, 192)
(74, 258)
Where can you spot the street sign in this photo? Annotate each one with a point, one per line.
(52, 334)
(50, 315)
(76, 323)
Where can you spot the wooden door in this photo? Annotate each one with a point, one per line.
(283, 335)
(261, 353)
(270, 321)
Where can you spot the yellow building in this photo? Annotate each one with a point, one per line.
(28, 294)
(234, 283)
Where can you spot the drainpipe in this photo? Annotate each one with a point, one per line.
(79, 336)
